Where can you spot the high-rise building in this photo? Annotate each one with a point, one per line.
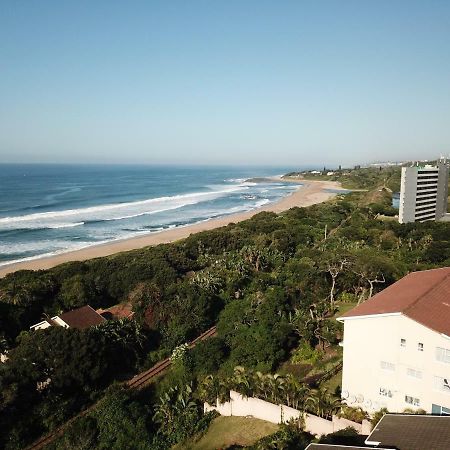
(424, 192)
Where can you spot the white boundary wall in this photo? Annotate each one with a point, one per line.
(260, 409)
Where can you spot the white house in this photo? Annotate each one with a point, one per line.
(80, 318)
(397, 346)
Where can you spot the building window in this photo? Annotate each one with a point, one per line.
(385, 392)
(387, 366)
(413, 373)
(442, 384)
(441, 410)
(443, 355)
(412, 400)
(402, 342)
(420, 347)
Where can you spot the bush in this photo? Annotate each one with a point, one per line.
(306, 354)
(414, 411)
(347, 436)
(289, 437)
(377, 416)
(353, 414)
(348, 297)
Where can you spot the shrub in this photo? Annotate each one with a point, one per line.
(377, 416)
(353, 414)
(306, 354)
(414, 411)
(347, 436)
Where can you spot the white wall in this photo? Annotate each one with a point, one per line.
(260, 409)
(44, 324)
(369, 341)
(40, 326)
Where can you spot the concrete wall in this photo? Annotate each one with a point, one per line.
(260, 409)
(370, 342)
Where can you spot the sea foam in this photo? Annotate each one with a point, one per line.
(108, 212)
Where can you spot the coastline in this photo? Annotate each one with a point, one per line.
(307, 194)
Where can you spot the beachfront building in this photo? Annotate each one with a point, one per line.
(424, 192)
(79, 318)
(397, 346)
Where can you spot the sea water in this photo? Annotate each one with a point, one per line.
(51, 209)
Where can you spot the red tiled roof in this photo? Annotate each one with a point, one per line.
(422, 296)
(122, 311)
(81, 318)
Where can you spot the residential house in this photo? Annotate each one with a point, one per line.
(397, 346)
(411, 432)
(79, 318)
(402, 432)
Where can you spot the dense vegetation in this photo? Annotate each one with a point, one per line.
(272, 284)
(365, 178)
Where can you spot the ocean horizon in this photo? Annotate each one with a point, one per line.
(50, 209)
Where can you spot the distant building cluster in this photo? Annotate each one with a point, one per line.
(424, 192)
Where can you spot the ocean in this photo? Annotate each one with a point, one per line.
(50, 209)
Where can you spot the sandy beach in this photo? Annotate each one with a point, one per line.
(308, 193)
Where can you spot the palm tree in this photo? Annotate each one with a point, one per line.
(262, 386)
(242, 381)
(15, 294)
(213, 389)
(276, 388)
(323, 403)
(295, 392)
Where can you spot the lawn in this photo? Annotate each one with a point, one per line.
(343, 307)
(333, 383)
(227, 431)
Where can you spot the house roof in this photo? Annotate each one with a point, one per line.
(412, 432)
(421, 296)
(121, 311)
(81, 318)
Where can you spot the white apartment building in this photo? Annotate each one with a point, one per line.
(423, 192)
(397, 346)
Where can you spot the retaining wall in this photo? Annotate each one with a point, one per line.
(261, 409)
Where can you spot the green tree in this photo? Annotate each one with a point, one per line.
(122, 422)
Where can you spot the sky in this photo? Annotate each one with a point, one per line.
(224, 82)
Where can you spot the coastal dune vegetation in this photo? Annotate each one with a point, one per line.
(273, 284)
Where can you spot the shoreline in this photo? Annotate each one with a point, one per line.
(307, 194)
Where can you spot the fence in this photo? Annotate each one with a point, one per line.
(261, 409)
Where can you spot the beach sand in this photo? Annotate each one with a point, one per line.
(309, 193)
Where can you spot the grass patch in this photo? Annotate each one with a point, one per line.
(227, 431)
(343, 307)
(333, 383)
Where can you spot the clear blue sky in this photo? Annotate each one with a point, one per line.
(230, 81)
